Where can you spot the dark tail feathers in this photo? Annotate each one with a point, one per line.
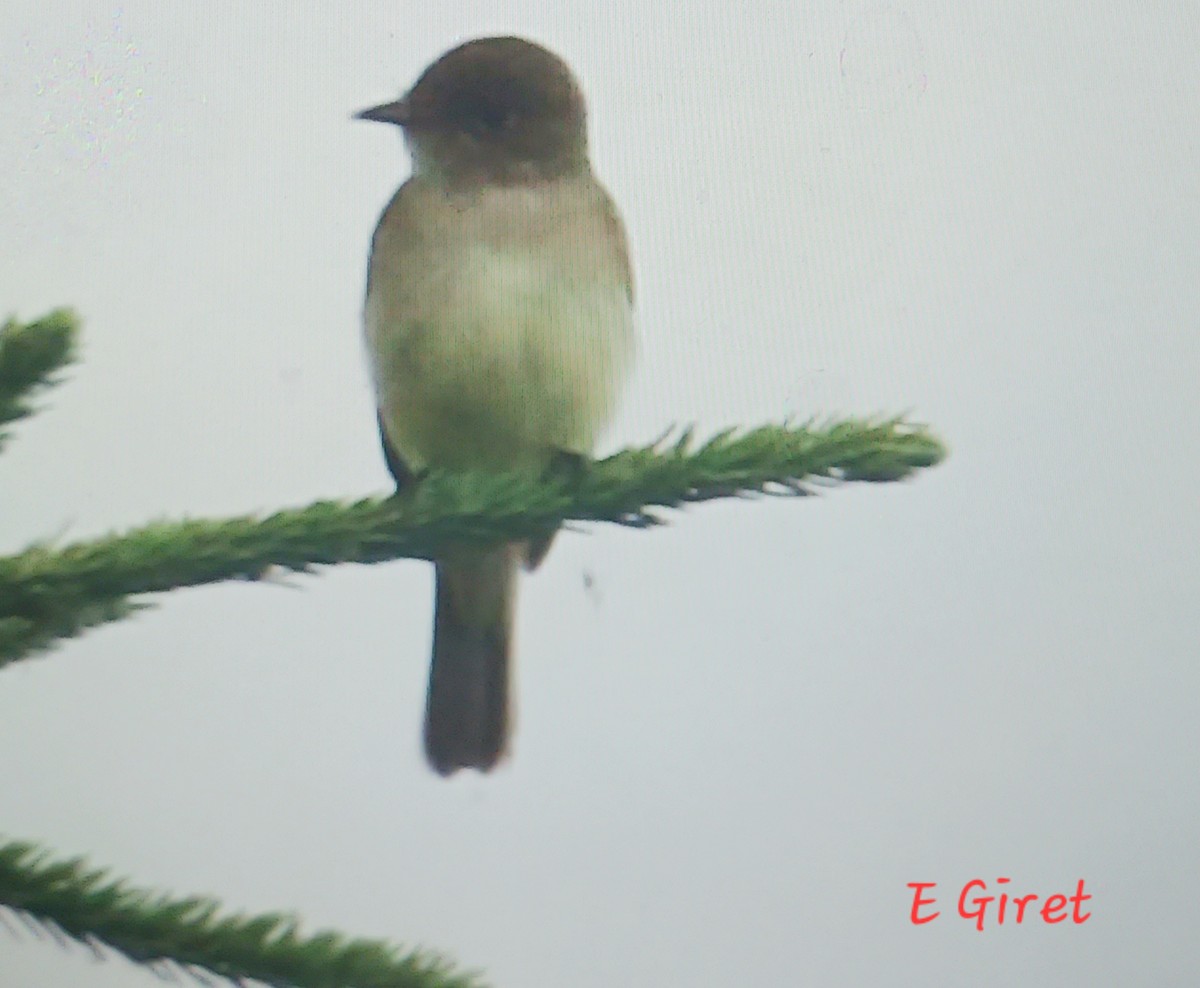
(467, 709)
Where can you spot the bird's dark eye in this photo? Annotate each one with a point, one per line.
(480, 115)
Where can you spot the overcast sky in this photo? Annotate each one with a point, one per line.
(741, 736)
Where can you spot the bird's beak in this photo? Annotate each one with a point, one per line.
(393, 113)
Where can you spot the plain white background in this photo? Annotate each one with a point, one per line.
(739, 736)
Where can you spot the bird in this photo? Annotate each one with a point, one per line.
(499, 329)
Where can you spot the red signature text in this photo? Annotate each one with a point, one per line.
(993, 908)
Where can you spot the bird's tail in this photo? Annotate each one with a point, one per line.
(467, 708)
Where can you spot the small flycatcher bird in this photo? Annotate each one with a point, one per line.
(499, 323)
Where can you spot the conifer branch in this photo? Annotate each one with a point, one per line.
(69, 898)
(23, 636)
(53, 589)
(30, 353)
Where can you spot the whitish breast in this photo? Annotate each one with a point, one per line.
(492, 350)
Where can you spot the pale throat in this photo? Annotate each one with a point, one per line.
(454, 168)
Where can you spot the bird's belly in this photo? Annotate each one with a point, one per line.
(509, 362)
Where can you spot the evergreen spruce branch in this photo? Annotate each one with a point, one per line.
(22, 636)
(69, 898)
(30, 353)
(42, 584)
